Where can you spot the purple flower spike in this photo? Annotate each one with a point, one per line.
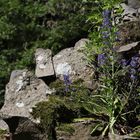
(67, 82)
(101, 59)
(133, 77)
(106, 18)
(123, 62)
(105, 34)
(133, 71)
(66, 79)
(117, 39)
(106, 13)
(134, 62)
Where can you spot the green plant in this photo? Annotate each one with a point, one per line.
(50, 113)
(2, 133)
(62, 107)
(112, 101)
(66, 128)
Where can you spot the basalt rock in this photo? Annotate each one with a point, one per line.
(21, 128)
(23, 91)
(133, 47)
(134, 4)
(44, 64)
(129, 13)
(129, 23)
(72, 62)
(129, 32)
(129, 50)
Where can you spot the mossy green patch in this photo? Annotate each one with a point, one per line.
(66, 128)
(2, 133)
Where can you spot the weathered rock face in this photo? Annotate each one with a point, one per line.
(27, 130)
(129, 32)
(129, 13)
(81, 132)
(22, 93)
(129, 47)
(3, 125)
(21, 128)
(44, 66)
(129, 23)
(134, 4)
(72, 62)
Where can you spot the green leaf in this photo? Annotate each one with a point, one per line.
(98, 127)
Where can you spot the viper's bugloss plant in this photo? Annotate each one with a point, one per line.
(116, 78)
(67, 82)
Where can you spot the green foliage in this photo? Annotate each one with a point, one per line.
(27, 25)
(96, 18)
(2, 133)
(66, 128)
(50, 113)
(136, 132)
(111, 101)
(75, 97)
(77, 87)
(56, 111)
(62, 107)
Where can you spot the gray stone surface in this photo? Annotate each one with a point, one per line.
(129, 14)
(128, 47)
(134, 4)
(22, 93)
(27, 130)
(69, 61)
(72, 62)
(44, 66)
(121, 137)
(3, 125)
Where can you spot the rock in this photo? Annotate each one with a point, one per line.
(134, 4)
(27, 130)
(79, 46)
(44, 65)
(129, 13)
(21, 128)
(80, 132)
(72, 62)
(121, 137)
(129, 47)
(4, 126)
(22, 93)
(129, 32)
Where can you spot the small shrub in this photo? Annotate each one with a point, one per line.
(50, 113)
